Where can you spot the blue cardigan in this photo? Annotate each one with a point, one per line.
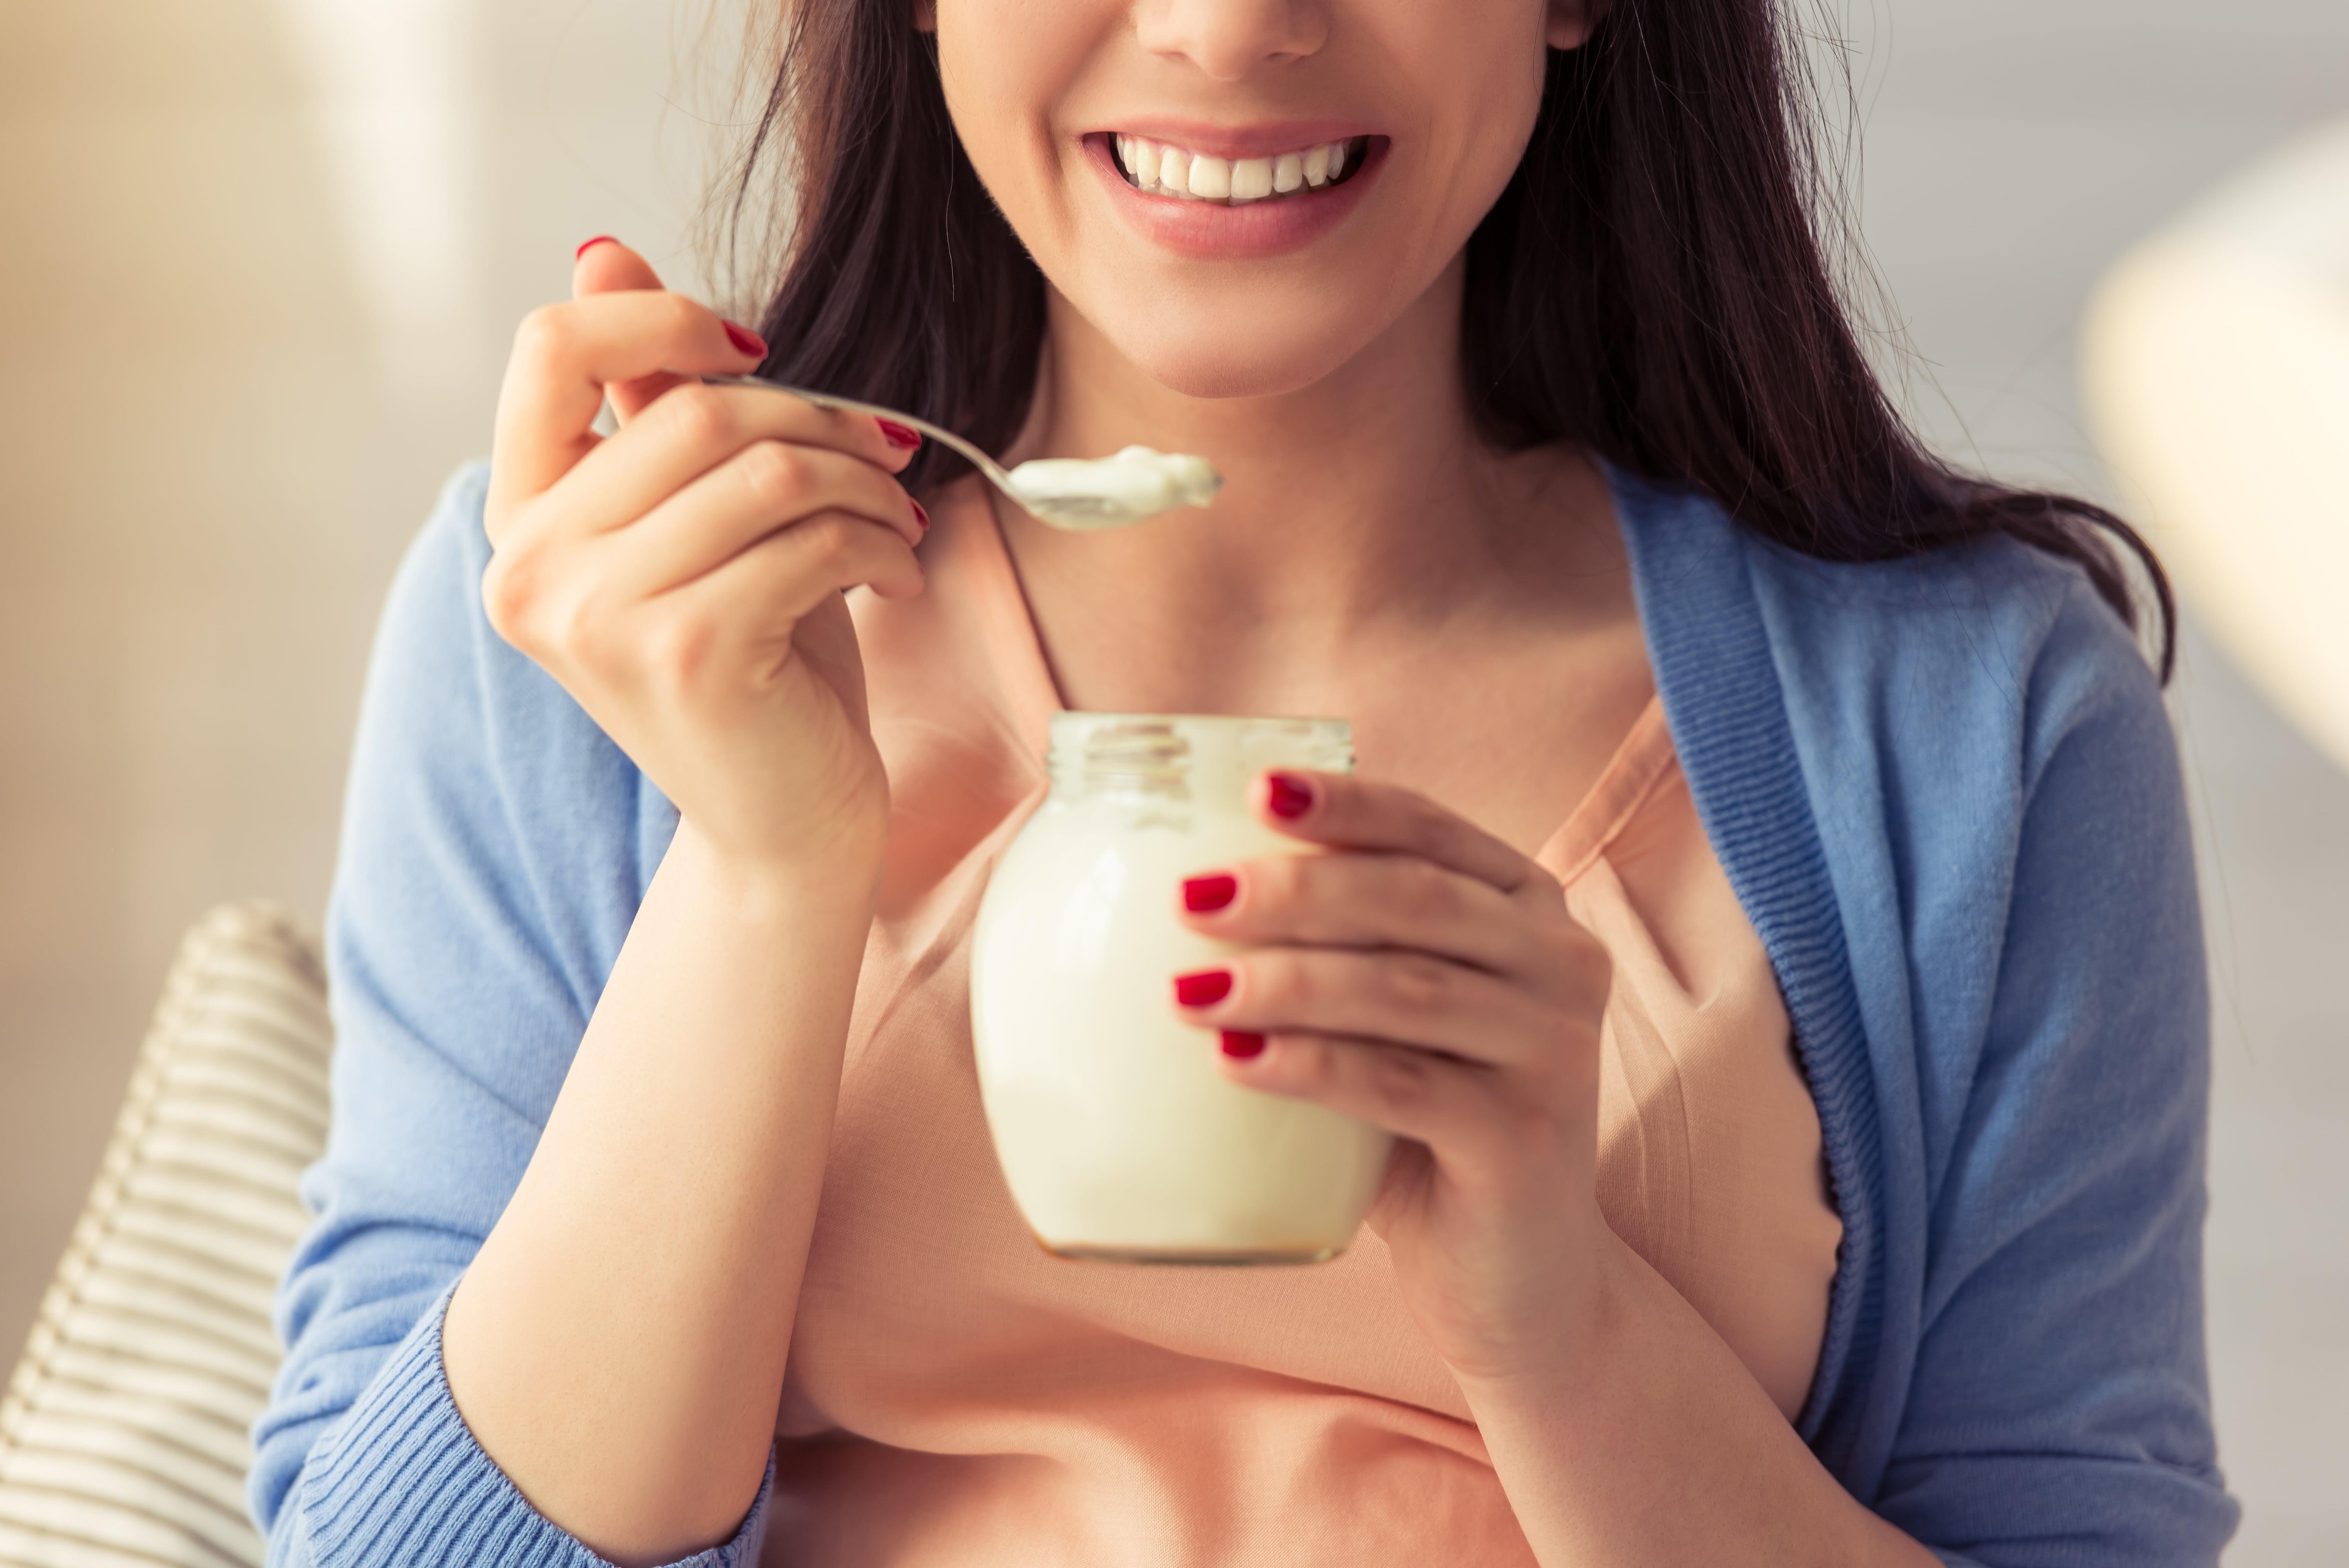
(1945, 790)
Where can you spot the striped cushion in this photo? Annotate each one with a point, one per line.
(122, 1433)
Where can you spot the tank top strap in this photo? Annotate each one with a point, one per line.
(1643, 760)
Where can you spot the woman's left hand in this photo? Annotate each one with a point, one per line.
(1425, 977)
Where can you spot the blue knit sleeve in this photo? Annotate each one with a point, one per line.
(2059, 1411)
(495, 846)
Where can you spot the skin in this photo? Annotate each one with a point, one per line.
(1370, 556)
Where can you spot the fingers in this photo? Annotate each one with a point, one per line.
(766, 488)
(758, 598)
(1454, 1107)
(624, 337)
(1405, 999)
(734, 624)
(692, 430)
(597, 620)
(1344, 811)
(565, 355)
(1363, 900)
(605, 266)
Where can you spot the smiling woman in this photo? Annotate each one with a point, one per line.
(1640, 220)
(1761, 926)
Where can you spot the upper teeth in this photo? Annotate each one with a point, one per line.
(1169, 171)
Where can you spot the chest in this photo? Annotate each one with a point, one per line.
(1512, 738)
(1500, 692)
(1509, 727)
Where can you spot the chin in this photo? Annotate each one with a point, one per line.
(1233, 357)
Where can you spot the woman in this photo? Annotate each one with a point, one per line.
(1764, 913)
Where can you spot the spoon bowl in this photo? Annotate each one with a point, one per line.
(1078, 494)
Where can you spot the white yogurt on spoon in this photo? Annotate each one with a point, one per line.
(1077, 494)
(1133, 487)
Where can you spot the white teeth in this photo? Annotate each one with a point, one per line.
(1165, 170)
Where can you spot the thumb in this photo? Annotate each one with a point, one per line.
(605, 266)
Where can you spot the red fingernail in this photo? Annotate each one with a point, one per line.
(1242, 1046)
(904, 437)
(746, 341)
(1203, 987)
(1287, 795)
(591, 245)
(920, 516)
(1202, 894)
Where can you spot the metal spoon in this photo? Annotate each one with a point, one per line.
(1064, 493)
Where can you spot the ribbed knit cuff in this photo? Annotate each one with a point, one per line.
(402, 1480)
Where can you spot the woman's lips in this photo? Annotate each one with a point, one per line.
(1211, 231)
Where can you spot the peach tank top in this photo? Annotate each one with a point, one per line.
(958, 1397)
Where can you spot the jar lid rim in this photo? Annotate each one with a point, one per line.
(1074, 718)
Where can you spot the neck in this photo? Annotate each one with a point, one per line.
(1362, 503)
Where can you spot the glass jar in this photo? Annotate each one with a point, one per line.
(1119, 1133)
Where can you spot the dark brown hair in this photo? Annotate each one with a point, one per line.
(1653, 284)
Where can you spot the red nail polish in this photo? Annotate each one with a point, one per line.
(746, 341)
(1242, 1046)
(591, 245)
(1287, 795)
(920, 515)
(1203, 894)
(906, 438)
(1203, 987)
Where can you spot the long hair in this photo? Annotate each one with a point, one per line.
(1653, 284)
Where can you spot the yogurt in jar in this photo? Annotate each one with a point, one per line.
(1118, 1133)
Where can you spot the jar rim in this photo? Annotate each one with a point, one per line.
(1074, 719)
(1166, 754)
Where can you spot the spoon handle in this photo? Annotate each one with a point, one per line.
(945, 438)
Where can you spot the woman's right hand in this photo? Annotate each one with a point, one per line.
(682, 577)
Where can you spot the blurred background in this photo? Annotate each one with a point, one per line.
(259, 260)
